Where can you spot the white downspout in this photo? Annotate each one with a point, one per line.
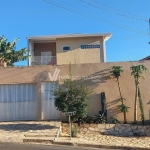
(102, 50)
(29, 62)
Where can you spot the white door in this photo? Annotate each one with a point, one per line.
(26, 102)
(18, 102)
(7, 103)
(48, 107)
(45, 57)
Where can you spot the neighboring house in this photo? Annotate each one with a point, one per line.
(146, 58)
(63, 49)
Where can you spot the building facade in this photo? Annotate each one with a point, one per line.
(65, 49)
(27, 92)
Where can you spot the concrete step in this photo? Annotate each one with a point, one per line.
(41, 134)
(38, 140)
(44, 131)
(51, 132)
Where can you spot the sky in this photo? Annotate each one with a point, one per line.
(127, 21)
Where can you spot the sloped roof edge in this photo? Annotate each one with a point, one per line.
(146, 58)
(54, 37)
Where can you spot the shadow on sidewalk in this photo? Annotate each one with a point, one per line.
(25, 127)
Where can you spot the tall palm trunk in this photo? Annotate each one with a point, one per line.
(124, 113)
(125, 118)
(135, 102)
(141, 106)
(119, 88)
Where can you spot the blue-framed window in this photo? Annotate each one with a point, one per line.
(91, 46)
(66, 48)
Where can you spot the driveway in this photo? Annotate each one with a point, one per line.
(17, 131)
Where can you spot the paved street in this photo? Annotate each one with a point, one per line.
(15, 146)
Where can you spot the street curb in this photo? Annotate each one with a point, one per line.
(82, 144)
(37, 141)
(98, 146)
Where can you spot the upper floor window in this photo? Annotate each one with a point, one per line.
(90, 46)
(66, 48)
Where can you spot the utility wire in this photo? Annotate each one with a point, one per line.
(132, 38)
(144, 18)
(114, 12)
(139, 16)
(82, 12)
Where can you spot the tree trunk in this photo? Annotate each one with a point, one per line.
(135, 103)
(141, 106)
(124, 113)
(119, 88)
(125, 118)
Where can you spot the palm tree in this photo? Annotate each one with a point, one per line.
(116, 72)
(136, 71)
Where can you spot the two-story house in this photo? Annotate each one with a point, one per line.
(63, 49)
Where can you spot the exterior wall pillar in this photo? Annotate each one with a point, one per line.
(102, 50)
(39, 84)
(30, 48)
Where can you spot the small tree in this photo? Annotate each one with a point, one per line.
(137, 71)
(8, 54)
(73, 96)
(116, 72)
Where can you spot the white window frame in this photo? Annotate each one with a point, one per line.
(66, 46)
(90, 46)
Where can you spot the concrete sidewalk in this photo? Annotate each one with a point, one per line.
(105, 141)
(98, 141)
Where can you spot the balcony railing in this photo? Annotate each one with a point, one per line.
(43, 60)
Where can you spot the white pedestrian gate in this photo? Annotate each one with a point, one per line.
(48, 107)
(18, 102)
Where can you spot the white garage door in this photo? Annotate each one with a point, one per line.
(18, 102)
(48, 107)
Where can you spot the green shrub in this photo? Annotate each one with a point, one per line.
(93, 119)
(115, 121)
(74, 131)
(73, 96)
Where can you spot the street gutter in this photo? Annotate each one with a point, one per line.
(54, 142)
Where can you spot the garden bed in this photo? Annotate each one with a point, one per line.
(110, 129)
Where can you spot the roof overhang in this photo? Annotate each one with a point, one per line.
(106, 36)
(146, 58)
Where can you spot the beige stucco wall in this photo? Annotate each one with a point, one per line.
(77, 55)
(97, 80)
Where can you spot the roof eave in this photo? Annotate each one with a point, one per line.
(54, 37)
